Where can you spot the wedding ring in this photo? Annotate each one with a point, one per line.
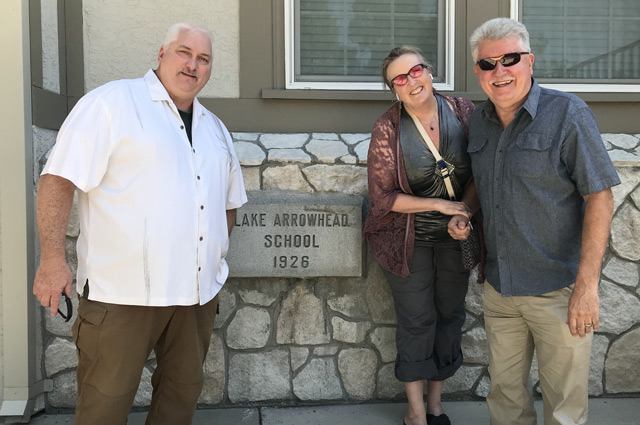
(588, 326)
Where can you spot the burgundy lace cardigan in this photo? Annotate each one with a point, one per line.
(390, 235)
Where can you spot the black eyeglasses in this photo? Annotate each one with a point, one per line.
(67, 301)
(415, 72)
(509, 59)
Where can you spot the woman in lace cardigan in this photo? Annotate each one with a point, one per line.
(406, 228)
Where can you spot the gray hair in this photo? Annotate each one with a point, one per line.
(498, 29)
(176, 29)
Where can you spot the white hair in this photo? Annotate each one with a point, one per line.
(175, 30)
(498, 29)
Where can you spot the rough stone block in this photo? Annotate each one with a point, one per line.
(60, 355)
(384, 339)
(629, 179)
(596, 366)
(226, 306)
(358, 367)
(622, 367)
(463, 380)
(350, 332)
(622, 272)
(474, 346)
(145, 389)
(327, 151)
(214, 369)
(288, 177)
(619, 309)
(259, 377)
(299, 356)
(318, 381)
(302, 320)
(271, 141)
(378, 295)
(349, 179)
(328, 350)
(388, 385)
(251, 178)
(625, 233)
(65, 391)
(249, 153)
(484, 386)
(250, 328)
(351, 305)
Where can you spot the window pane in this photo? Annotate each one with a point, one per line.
(584, 39)
(345, 40)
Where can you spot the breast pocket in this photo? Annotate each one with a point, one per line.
(480, 165)
(533, 156)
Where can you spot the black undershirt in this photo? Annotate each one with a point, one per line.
(187, 117)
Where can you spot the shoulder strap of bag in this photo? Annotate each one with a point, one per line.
(439, 161)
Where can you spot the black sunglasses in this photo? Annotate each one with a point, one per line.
(510, 59)
(67, 301)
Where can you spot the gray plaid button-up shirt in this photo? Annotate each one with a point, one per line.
(531, 178)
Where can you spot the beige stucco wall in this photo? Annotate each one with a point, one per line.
(122, 39)
(50, 50)
(1, 318)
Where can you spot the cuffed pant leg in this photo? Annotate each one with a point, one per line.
(563, 359)
(416, 318)
(181, 352)
(451, 284)
(510, 354)
(113, 342)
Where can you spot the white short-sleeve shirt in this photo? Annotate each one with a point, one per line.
(153, 228)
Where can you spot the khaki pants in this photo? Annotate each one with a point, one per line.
(517, 325)
(114, 341)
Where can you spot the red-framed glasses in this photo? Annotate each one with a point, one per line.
(415, 72)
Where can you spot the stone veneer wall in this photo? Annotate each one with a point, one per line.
(321, 340)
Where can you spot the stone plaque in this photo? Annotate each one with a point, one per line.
(283, 234)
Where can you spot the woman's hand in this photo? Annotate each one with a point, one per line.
(453, 208)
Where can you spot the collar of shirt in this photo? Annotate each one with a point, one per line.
(159, 93)
(530, 105)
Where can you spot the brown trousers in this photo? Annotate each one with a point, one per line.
(114, 342)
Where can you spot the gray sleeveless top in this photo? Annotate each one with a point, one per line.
(424, 176)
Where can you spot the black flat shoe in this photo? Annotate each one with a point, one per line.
(438, 420)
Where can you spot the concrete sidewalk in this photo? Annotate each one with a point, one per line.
(605, 411)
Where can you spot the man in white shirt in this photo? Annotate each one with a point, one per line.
(158, 187)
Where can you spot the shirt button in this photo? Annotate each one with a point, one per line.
(199, 268)
(198, 177)
(182, 127)
(201, 238)
(201, 207)
(194, 151)
(500, 150)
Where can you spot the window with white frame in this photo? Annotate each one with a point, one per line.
(339, 44)
(584, 45)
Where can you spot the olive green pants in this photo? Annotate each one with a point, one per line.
(515, 327)
(114, 342)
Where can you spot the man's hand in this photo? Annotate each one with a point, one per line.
(459, 227)
(52, 278)
(53, 204)
(584, 310)
(584, 304)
